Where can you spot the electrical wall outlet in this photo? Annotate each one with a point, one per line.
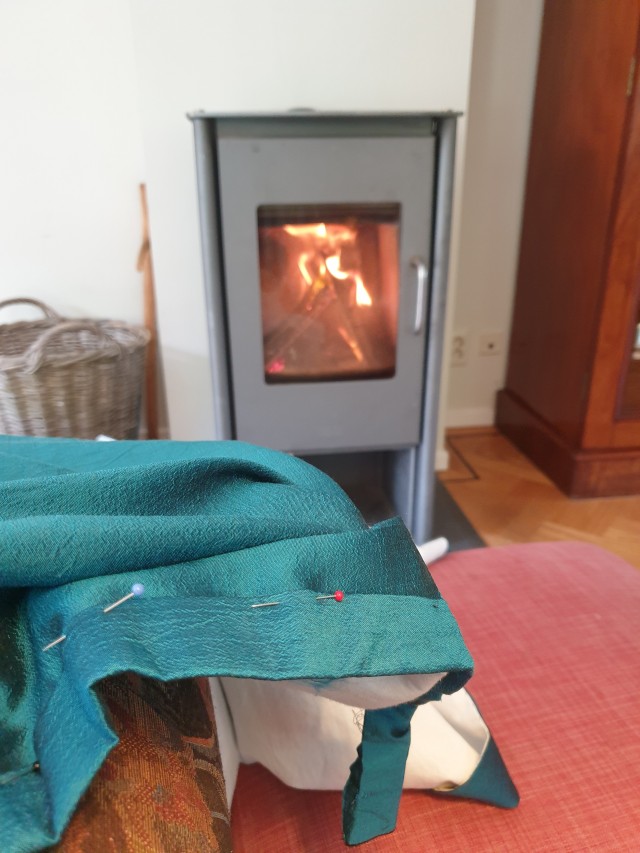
(459, 348)
(490, 343)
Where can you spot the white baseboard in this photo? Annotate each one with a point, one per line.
(472, 417)
(442, 459)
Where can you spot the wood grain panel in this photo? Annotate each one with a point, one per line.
(619, 307)
(577, 134)
(509, 500)
(579, 473)
(536, 439)
(630, 407)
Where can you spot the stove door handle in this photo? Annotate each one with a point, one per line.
(422, 274)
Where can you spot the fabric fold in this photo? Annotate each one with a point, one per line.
(209, 528)
(372, 794)
(490, 782)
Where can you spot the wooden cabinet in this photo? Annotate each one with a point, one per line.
(572, 395)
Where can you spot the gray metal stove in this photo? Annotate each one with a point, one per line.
(325, 242)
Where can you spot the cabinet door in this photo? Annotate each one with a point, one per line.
(579, 128)
(613, 411)
(629, 405)
(323, 240)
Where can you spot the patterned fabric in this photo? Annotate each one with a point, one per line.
(161, 789)
(555, 630)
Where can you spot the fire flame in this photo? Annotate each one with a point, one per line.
(302, 266)
(315, 229)
(316, 263)
(333, 265)
(362, 294)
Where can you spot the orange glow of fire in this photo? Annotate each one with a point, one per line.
(362, 294)
(333, 265)
(302, 266)
(351, 343)
(315, 229)
(363, 297)
(314, 262)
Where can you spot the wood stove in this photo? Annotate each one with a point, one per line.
(325, 241)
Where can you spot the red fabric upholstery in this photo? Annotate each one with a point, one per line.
(555, 632)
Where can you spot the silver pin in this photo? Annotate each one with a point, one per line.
(136, 591)
(55, 642)
(338, 595)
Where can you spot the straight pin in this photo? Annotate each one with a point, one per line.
(338, 595)
(267, 604)
(136, 591)
(55, 642)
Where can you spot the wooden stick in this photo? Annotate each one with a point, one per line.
(145, 266)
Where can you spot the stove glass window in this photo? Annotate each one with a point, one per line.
(329, 288)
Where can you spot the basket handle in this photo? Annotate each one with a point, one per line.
(48, 312)
(34, 356)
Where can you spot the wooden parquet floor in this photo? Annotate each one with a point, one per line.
(507, 499)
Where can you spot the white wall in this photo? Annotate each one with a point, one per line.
(76, 100)
(70, 157)
(503, 71)
(244, 56)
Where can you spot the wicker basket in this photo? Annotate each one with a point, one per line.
(72, 378)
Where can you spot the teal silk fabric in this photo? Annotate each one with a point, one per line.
(209, 528)
(372, 794)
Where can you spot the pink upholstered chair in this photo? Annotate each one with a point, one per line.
(555, 632)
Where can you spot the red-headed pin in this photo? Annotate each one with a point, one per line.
(338, 595)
